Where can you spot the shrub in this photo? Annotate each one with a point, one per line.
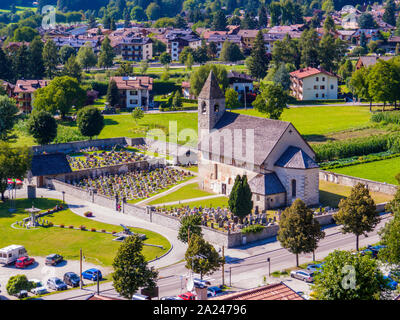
(164, 87)
(255, 228)
(388, 117)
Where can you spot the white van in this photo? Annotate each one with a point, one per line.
(12, 253)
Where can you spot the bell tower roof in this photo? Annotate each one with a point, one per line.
(211, 89)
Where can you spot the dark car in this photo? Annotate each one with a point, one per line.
(54, 259)
(72, 279)
(213, 291)
(22, 294)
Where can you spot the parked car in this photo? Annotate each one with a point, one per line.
(214, 291)
(187, 296)
(138, 296)
(315, 267)
(24, 262)
(375, 250)
(91, 274)
(53, 259)
(72, 279)
(390, 282)
(199, 283)
(56, 284)
(171, 298)
(22, 294)
(304, 275)
(39, 290)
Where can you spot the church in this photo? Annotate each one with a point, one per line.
(279, 164)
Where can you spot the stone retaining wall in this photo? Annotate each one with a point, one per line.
(352, 181)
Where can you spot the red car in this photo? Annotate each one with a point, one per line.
(187, 296)
(24, 262)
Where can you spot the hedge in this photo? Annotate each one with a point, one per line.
(255, 228)
(164, 87)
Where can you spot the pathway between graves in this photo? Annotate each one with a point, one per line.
(106, 215)
(187, 200)
(173, 189)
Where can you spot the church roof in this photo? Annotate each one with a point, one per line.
(49, 164)
(211, 89)
(266, 184)
(267, 133)
(296, 158)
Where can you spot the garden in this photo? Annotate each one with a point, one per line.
(41, 241)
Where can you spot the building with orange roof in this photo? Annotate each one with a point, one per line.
(313, 84)
(276, 291)
(134, 91)
(23, 93)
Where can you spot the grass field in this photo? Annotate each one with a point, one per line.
(382, 171)
(189, 191)
(98, 247)
(331, 193)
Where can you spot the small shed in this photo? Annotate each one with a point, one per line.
(48, 166)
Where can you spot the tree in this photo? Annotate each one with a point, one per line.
(17, 283)
(86, 57)
(328, 6)
(329, 24)
(230, 52)
(390, 234)
(5, 67)
(50, 58)
(177, 101)
(189, 61)
(309, 46)
(138, 14)
(201, 257)
(106, 55)
(389, 14)
(240, 203)
(262, 17)
(357, 213)
(359, 85)
(25, 34)
(199, 77)
(66, 52)
(14, 163)
(348, 276)
(346, 70)
(180, 22)
(363, 40)
(271, 100)
(60, 95)
(73, 69)
(189, 226)
(212, 50)
(125, 70)
(282, 76)
(165, 59)
(287, 51)
(366, 21)
(8, 117)
(298, 231)
(112, 93)
(130, 268)
(232, 99)
(36, 69)
(153, 11)
(21, 62)
(113, 26)
(42, 126)
(258, 61)
(248, 22)
(144, 65)
(219, 22)
(90, 121)
(137, 114)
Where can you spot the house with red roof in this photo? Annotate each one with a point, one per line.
(313, 84)
(23, 93)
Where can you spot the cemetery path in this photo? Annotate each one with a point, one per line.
(188, 200)
(162, 194)
(106, 215)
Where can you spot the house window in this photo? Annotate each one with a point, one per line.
(315, 87)
(323, 95)
(322, 87)
(332, 86)
(133, 93)
(317, 79)
(258, 198)
(323, 78)
(316, 95)
(293, 188)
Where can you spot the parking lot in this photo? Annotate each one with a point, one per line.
(42, 272)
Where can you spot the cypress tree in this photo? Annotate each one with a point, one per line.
(258, 61)
(112, 93)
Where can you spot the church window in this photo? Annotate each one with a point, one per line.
(203, 108)
(215, 171)
(293, 188)
(216, 108)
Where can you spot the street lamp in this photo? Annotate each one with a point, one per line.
(269, 266)
(63, 193)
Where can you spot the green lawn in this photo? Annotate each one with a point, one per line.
(382, 171)
(98, 247)
(189, 191)
(331, 193)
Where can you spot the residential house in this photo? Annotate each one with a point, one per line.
(242, 83)
(133, 48)
(23, 93)
(176, 40)
(134, 91)
(7, 87)
(313, 84)
(367, 61)
(248, 37)
(219, 40)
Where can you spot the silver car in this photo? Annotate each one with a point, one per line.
(56, 284)
(304, 275)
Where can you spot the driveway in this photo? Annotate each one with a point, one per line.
(42, 272)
